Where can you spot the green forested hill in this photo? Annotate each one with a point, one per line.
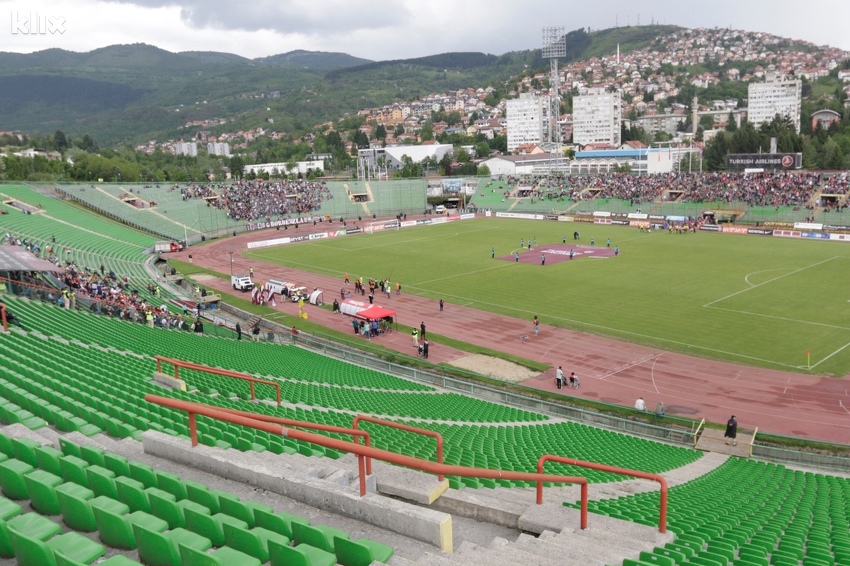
(133, 93)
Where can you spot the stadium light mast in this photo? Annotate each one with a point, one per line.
(554, 46)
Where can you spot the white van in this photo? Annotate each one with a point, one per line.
(241, 282)
(439, 209)
(276, 286)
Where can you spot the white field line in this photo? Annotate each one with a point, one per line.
(771, 280)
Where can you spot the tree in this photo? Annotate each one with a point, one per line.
(381, 132)
(409, 169)
(237, 166)
(426, 133)
(60, 142)
(483, 170)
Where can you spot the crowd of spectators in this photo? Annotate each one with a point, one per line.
(106, 292)
(257, 199)
(793, 189)
(263, 200)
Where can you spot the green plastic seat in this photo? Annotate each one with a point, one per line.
(117, 464)
(133, 494)
(116, 530)
(648, 557)
(6, 550)
(47, 459)
(301, 555)
(69, 448)
(317, 536)
(9, 509)
(171, 483)
(253, 542)
(117, 560)
(160, 549)
(211, 526)
(30, 551)
(280, 522)
(363, 552)
(224, 556)
(75, 506)
(6, 442)
(74, 469)
(35, 526)
(143, 473)
(12, 473)
(101, 481)
(243, 510)
(93, 455)
(41, 487)
(164, 506)
(24, 450)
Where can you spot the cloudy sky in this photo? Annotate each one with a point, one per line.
(391, 29)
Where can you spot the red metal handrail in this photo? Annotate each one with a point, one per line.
(662, 512)
(217, 371)
(405, 427)
(364, 452)
(355, 434)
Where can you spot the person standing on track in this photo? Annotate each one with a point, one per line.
(559, 378)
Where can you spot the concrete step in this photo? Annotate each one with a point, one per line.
(611, 531)
(438, 559)
(582, 550)
(471, 554)
(537, 554)
(397, 481)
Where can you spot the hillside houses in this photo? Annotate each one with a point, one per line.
(648, 80)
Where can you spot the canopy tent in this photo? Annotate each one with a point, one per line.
(352, 307)
(377, 313)
(362, 309)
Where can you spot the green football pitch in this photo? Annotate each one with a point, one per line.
(764, 301)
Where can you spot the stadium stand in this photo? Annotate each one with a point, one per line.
(76, 375)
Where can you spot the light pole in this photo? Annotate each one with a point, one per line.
(231, 263)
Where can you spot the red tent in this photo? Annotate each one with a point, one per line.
(377, 313)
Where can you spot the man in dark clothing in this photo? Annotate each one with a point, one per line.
(422, 329)
(425, 349)
(238, 331)
(199, 327)
(731, 431)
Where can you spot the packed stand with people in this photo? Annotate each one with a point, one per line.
(264, 200)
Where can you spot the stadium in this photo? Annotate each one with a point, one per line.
(129, 438)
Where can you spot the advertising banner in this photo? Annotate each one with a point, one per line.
(764, 161)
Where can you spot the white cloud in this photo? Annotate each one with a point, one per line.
(390, 30)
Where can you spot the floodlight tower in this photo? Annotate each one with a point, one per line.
(554, 46)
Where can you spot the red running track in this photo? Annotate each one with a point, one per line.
(611, 371)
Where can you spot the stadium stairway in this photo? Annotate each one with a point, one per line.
(713, 440)
(491, 546)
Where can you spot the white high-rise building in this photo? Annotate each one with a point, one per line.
(525, 120)
(597, 117)
(218, 148)
(185, 148)
(777, 95)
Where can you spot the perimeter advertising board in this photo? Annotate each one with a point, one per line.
(764, 161)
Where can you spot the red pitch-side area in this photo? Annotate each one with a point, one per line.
(556, 253)
(778, 402)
